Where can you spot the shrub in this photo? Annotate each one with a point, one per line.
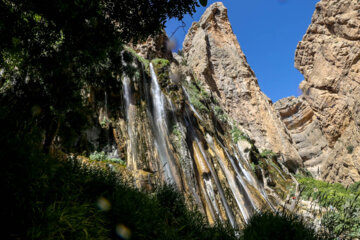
(350, 149)
(342, 205)
(238, 135)
(101, 156)
(279, 226)
(267, 154)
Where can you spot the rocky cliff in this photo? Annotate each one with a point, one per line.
(213, 53)
(199, 122)
(325, 121)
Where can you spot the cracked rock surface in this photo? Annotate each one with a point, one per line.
(213, 52)
(325, 121)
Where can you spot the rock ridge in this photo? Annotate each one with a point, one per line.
(211, 49)
(328, 57)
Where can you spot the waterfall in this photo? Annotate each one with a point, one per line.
(237, 190)
(129, 111)
(252, 180)
(190, 104)
(217, 183)
(160, 129)
(240, 179)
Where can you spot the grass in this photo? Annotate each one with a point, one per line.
(54, 198)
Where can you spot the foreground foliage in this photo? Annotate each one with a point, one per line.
(341, 206)
(280, 226)
(50, 198)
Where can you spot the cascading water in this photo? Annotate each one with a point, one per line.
(190, 104)
(238, 191)
(131, 152)
(212, 171)
(251, 179)
(239, 177)
(217, 183)
(180, 157)
(161, 130)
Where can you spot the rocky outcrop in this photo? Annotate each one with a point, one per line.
(158, 46)
(213, 53)
(303, 126)
(328, 57)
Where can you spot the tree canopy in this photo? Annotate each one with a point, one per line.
(50, 49)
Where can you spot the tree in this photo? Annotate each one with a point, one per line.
(49, 51)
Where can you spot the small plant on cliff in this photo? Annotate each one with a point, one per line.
(267, 154)
(237, 134)
(160, 62)
(220, 114)
(101, 156)
(199, 98)
(350, 149)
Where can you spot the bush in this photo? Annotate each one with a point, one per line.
(279, 226)
(267, 154)
(350, 149)
(238, 135)
(101, 156)
(342, 217)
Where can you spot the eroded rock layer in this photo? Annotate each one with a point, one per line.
(328, 57)
(213, 53)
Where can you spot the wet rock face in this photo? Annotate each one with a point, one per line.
(212, 51)
(328, 57)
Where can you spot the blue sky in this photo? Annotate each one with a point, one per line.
(268, 32)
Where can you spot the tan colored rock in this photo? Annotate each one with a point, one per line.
(155, 47)
(328, 56)
(303, 126)
(214, 54)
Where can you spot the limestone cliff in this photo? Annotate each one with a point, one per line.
(213, 53)
(325, 121)
(190, 121)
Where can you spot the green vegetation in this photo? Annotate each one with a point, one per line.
(176, 131)
(350, 149)
(199, 98)
(279, 226)
(160, 62)
(63, 199)
(139, 58)
(238, 135)
(267, 154)
(101, 156)
(342, 205)
(220, 114)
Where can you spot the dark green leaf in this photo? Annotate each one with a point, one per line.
(203, 2)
